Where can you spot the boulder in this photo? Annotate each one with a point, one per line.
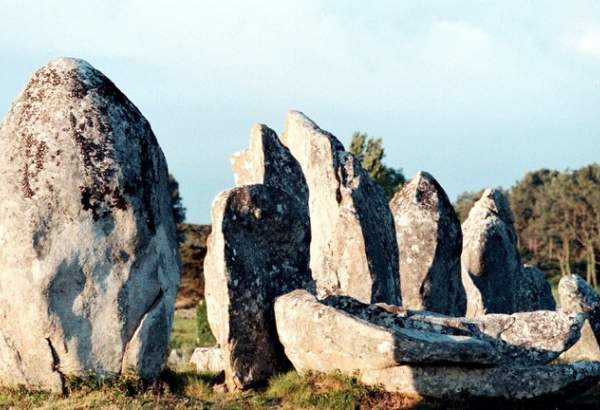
(430, 243)
(320, 337)
(353, 247)
(534, 291)
(527, 338)
(89, 267)
(576, 295)
(497, 383)
(192, 250)
(208, 360)
(491, 265)
(258, 250)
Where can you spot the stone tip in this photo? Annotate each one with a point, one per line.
(495, 200)
(68, 63)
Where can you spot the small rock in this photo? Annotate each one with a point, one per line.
(208, 360)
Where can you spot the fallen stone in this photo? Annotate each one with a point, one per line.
(491, 265)
(177, 358)
(89, 268)
(534, 291)
(322, 338)
(258, 250)
(576, 295)
(353, 247)
(430, 243)
(497, 383)
(527, 338)
(208, 360)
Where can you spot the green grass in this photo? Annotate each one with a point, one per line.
(190, 333)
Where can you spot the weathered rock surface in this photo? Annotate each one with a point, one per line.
(89, 266)
(269, 162)
(534, 291)
(192, 250)
(499, 383)
(320, 337)
(353, 248)
(576, 295)
(519, 339)
(258, 250)
(208, 360)
(430, 243)
(491, 265)
(586, 348)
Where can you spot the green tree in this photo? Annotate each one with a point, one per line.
(370, 152)
(465, 202)
(177, 205)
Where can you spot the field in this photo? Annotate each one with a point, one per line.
(183, 388)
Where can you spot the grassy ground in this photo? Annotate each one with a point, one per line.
(183, 388)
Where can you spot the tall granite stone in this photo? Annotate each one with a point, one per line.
(534, 291)
(258, 250)
(353, 247)
(491, 265)
(430, 244)
(575, 295)
(89, 264)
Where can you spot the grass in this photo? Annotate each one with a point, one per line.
(190, 333)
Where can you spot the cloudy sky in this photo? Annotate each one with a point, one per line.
(475, 92)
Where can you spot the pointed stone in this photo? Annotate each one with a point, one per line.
(491, 265)
(353, 247)
(430, 243)
(89, 268)
(258, 250)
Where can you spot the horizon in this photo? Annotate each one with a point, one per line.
(475, 94)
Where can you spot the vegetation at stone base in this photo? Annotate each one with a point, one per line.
(370, 152)
(557, 218)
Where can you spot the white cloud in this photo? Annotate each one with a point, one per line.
(588, 42)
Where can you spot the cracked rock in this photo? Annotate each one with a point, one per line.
(89, 267)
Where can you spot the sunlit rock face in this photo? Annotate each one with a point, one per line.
(353, 247)
(430, 243)
(89, 265)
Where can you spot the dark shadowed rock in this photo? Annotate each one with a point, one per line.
(322, 337)
(89, 267)
(430, 243)
(499, 383)
(521, 338)
(258, 250)
(353, 247)
(534, 291)
(491, 265)
(576, 295)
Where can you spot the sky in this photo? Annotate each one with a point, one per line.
(475, 92)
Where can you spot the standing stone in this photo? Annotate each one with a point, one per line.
(576, 295)
(89, 265)
(534, 291)
(353, 247)
(430, 243)
(491, 265)
(258, 250)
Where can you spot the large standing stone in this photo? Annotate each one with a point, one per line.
(89, 265)
(321, 337)
(353, 248)
(430, 242)
(491, 265)
(258, 250)
(576, 295)
(499, 383)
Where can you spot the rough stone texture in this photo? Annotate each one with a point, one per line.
(320, 337)
(521, 338)
(498, 383)
(353, 248)
(89, 266)
(257, 251)
(269, 162)
(576, 295)
(534, 291)
(430, 243)
(208, 359)
(586, 348)
(491, 265)
(192, 250)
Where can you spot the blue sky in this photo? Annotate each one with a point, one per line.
(475, 92)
